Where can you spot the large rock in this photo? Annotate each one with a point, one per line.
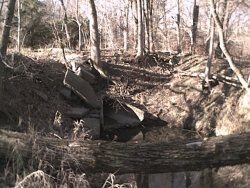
(66, 92)
(87, 76)
(81, 88)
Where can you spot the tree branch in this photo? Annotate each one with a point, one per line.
(224, 49)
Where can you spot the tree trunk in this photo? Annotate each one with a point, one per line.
(178, 27)
(146, 11)
(65, 22)
(130, 157)
(94, 37)
(210, 55)
(135, 16)
(4, 38)
(2, 5)
(6, 30)
(79, 26)
(151, 27)
(224, 49)
(194, 27)
(140, 29)
(95, 41)
(19, 25)
(125, 29)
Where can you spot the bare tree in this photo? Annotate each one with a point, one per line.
(224, 49)
(95, 40)
(178, 17)
(65, 21)
(225, 11)
(125, 25)
(151, 30)
(148, 11)
(79, 26)
(135, 17)
(194, 27)
(4, 38)
(19, 25)
(210, 56)
(140, 29)
(94, 36)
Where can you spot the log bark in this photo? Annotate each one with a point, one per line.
(131, 157)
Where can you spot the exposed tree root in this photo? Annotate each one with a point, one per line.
(224, 79)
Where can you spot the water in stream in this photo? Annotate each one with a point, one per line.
(234, 177)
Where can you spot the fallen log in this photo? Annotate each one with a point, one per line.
(222, 78)
(131, 157)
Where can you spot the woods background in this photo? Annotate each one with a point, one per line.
(156, 54)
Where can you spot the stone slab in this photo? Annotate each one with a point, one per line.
(77, 113)
(124, 113)
(87, 76)
(82, 88)
(92, 127)
(140, 113)
(66, 92)
(122, 116)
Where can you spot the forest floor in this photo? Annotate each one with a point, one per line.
(173, 94)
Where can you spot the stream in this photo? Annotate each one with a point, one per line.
(208, 178)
